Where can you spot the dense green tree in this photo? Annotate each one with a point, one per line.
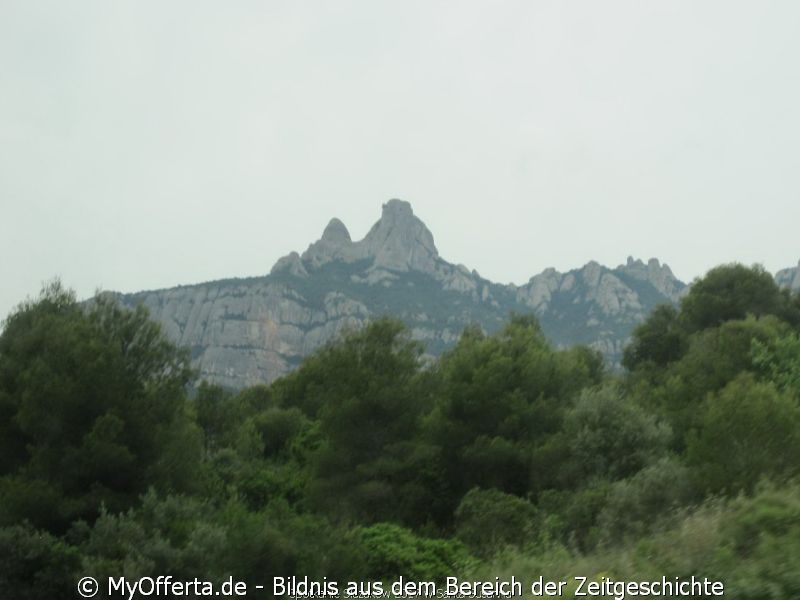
(365, 392)
(93, 400)
(726, 293)
(748, 431)
(778, 360)
(278, 427)
(612, 437)
(217, 415)
(500, 399)
(35, 564)
(730, 292)
(361, 361)
(658, 341)
(715, 357)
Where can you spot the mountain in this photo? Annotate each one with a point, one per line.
(789, 278)
(247, 331)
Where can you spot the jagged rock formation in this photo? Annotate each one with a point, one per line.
(248, 331)
(399, 241)
(599, 306)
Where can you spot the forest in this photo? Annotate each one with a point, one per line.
(506, 457)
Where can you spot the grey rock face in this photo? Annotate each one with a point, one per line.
(658, 275)
(243, 333)
(789, 278)
(598, 306)
(399, 241)
(335, 244)
(292, 264)
(336, 233)
(248, 331)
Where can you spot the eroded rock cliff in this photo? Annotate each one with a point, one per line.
(247, 331)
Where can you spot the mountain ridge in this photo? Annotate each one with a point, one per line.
(253, 330)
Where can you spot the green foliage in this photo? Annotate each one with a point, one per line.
(778, 360)
(361, 362)
(658, 341)
(34, 565)
(731, 292)
(771, 512)
(94, 406)
(715, 357)
(366, 465)
(173, 534)
(216, 415)
(760, 538)
(748, 431)
(570, 517)
(187, 538)
(726, 293)
(749, 543)
(364, 391)
(488, 521)
(499, 401)
(636, 505)
(278, 428)
(392, 551)
(611, 437)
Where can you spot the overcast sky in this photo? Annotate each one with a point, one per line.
(145, 144)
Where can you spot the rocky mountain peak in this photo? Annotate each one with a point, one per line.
(335, 244)
(291, 264)
(397, 209)
(656, 274)
(248, 331)
(336, 232)
(399, 241)
(399, 226)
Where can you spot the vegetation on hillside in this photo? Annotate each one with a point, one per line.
(505, 457)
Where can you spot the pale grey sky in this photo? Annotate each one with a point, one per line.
(145, 144)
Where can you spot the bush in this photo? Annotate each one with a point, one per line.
(34, 565)
(747, 431)
(489, 520)
(635, 505)
(612, 437)
(393, 551)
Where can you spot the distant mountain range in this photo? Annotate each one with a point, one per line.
(247, 331)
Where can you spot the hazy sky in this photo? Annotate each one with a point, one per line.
(146, 144)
